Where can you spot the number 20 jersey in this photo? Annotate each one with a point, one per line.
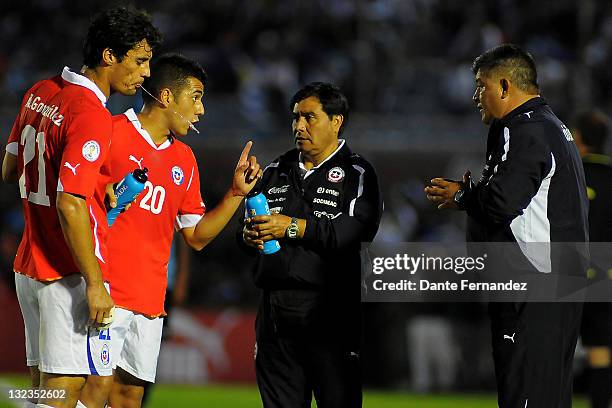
(61, 137)
(139, 241)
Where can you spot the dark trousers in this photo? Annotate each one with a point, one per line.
(533, 350)
(293, 363)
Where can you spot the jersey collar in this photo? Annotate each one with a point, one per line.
(309, 172)
(78, 79)
(131, 115)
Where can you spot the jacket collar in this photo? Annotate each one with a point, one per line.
(340, 151)
(292, 157)
(341, 144)
(530, 105)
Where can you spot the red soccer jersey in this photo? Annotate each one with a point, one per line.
(61, 137)
(140, 239)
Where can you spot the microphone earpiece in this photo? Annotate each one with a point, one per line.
(191, 126)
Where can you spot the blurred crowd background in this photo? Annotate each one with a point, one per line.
(405, 67)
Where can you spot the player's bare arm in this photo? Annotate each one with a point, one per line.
(9, 168)
(246, 174)
(75, 222)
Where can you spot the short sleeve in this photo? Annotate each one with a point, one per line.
(86, 146)
(192, 207)
(12, 145)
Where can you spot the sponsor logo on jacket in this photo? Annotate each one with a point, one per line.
(325, 202)
(279, 190)
(330, 191)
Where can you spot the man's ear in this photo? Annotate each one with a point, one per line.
(337, 121)
(166, 97)
(108, 58)
(505, 87)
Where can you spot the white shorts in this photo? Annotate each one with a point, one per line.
(136, 341)
(58, 339)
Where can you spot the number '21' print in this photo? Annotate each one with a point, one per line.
(33, 141)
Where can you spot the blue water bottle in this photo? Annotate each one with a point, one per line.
(257, 204)
(125, 191)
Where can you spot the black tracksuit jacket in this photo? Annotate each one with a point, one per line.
(532, 188)
(342, 205)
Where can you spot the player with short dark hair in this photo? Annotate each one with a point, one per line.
(55, 150)
(326, 202)
(172, 71)
(532, 190)
(140, 239)
(119, 29)
(514, 62)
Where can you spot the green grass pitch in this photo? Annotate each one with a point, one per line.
(226, 396)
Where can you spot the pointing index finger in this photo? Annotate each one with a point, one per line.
(245, 152)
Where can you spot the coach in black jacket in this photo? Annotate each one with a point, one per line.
(532, 189)
(325, 202)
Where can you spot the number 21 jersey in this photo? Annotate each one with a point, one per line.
(61, 137)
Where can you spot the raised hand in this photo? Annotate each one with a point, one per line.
(247, 172)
